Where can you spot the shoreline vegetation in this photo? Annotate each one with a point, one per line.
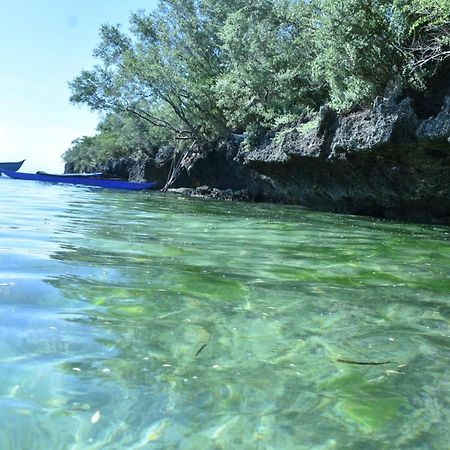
(334, 105)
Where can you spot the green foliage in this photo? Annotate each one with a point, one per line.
(269, 53)
(117, 136)
(424, 13)
(303, 128)
(168, 63)
(82, 155)
(357, 57)
(307, 127)
(424, 37)
(199, 69)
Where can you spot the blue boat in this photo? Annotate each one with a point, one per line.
(79, 179)
(13, 166)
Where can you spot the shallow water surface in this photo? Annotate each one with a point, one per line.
(142, 320)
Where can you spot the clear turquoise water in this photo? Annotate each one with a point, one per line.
(107, 297)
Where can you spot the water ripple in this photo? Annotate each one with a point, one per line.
(107, 297)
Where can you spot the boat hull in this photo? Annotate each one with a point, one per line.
(83, 181)
(12, 166)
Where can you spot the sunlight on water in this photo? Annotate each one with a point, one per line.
(141, 321)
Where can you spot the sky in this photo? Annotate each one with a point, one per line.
(44, 44)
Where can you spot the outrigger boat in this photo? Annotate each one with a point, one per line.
(13, 166)
(91, 179)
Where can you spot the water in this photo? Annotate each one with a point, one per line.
(142, 321)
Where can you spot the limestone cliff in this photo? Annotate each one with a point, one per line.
(391, 160)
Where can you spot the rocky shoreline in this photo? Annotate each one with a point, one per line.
(390, 161)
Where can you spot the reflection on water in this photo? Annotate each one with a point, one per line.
(136, 320)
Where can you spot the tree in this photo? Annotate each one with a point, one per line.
(117, 136)
(163, 73)
(425, 36)
(357, 57)
(269, 51)
(196, 70)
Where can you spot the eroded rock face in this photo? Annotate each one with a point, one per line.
(385, 124)
(384, 161)
(436, 128)
(336, 137)
(140, 167)
(391, 160)
(118, 168)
